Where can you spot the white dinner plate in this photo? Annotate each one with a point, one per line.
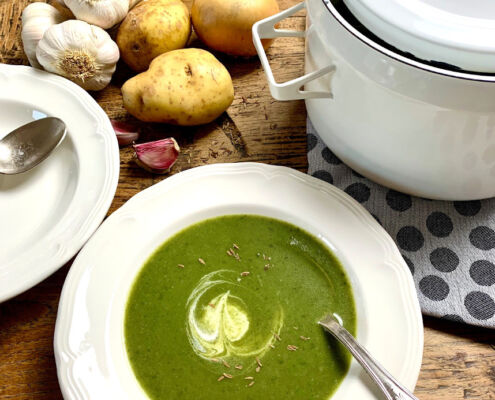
(48, 213)
(89, 336)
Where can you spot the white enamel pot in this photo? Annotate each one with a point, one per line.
(410, 126)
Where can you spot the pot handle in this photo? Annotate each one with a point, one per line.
(290, 90)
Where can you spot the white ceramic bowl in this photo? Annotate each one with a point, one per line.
(48, 213)
(90, 351)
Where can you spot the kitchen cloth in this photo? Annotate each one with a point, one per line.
(449, 246)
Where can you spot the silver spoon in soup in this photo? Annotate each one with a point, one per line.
(392, 389)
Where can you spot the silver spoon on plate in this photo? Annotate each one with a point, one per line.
(28, 145)
(392, 389)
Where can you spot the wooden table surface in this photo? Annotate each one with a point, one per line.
(458, 360)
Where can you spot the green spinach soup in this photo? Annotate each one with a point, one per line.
(228, 309)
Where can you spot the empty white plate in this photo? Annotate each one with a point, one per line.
(48, 213)
(89, 343)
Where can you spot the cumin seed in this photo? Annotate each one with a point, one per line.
(180, 265)
(245, 273)
(258, 369)
(272, 346)
(201, 261)
(227, 375)
(251, 384)
(221, 378)
(238, 366)
(235, 246)
(226, 363)
(249, 377)
(291, 347)
(258, 362)
(276, 336)
(304, 338)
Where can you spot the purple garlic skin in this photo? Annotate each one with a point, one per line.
(158, 156)
(126, 133)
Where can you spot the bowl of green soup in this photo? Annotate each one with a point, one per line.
(209, 285)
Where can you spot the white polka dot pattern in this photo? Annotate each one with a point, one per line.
(448, 246)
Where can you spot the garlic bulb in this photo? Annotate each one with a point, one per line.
(102, 13)
(81, 52)
(36, 19)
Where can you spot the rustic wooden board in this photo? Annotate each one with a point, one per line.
(459, 361)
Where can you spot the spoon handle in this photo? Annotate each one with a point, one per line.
(392, 389)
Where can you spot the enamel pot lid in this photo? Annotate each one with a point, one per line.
(457, 32)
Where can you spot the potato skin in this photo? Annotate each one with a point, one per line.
(225, 25)
(151, 28)
(181, 87)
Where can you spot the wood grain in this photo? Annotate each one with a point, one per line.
(459, 360)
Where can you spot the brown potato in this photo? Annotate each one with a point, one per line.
(151, 28)
(225, 25)
(181, 87)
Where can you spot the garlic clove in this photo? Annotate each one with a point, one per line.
(158, 156)
(81, 52)
(102, 13)
(36, 19)
(126, 133)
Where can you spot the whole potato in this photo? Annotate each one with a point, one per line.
(181, 87)
(151, 28)
(225, 25)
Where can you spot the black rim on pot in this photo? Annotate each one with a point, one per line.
(372, 41)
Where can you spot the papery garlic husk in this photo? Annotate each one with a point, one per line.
(158, 156)
(36, 19)
(63, 9)
(102, 13)
(132, 3)
(81, 52)
(126, 133)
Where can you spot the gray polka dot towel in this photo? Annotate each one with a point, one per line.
(448, 246)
